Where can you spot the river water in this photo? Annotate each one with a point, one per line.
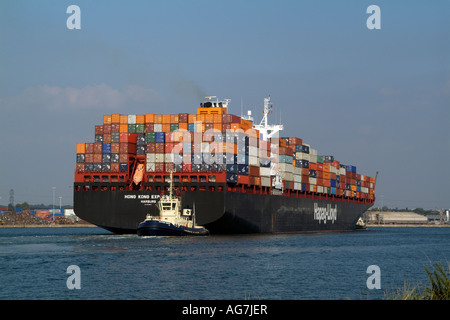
(34, 264)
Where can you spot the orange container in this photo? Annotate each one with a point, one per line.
(107, 119)
(165, 126)
(326, 168)
(81, 147)
(209, 118)
(217, 118)
(217, 126)
(140, 119)
(166, 118)
(174, 118)
(192, 118)
(201, 117)
(115, 118)
(183, 126)
(158, 118)
(123, 128)
(123, 119)
(149, 118)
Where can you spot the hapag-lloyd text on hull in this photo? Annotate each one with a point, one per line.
(325, 213)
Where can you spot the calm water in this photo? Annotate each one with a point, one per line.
(34, 262)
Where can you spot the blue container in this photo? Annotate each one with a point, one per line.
(301, 148)
(313, 173)
(285, 159)
(106, 158)
(333, 190)
(123, 167)
(333, 183)
(160, 137)
(358, 189)
(243, 169)
(106, 148)
(191, 127)
(231, 178)
(141, 140)
(232, 168)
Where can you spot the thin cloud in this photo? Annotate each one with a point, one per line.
(99, 96)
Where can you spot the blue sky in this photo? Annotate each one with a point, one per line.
(376, 99)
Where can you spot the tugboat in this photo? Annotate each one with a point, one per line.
(360, 225)
(172, 221)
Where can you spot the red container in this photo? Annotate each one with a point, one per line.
(89, 148)
(129, 148)
(151, 147)
(98, 147)
(115, 147)
(253, 171)
(183, 117)
(230, 118)
(168, 147)
(114, 167)
(187, 167)
(159, 167)
(295, 141)
(97, 158)
(159, 147)
(123, 157)
(115, 127)
(128, 137)
(243, 179)
(99, 129)
(149, 127)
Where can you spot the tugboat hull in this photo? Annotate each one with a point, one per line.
(161, 228)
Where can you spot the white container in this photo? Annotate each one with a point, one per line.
(286, 167)
(131, 119)
(264, 172)
(312, 180)
(320, 189)
(253, 161)
(253, 151)
(168, 158)
(297, 186)
(157, 127)
(151, 157)
(265, 181)
(150, 167)
(288, 176)
(297, 178)
(159, 157)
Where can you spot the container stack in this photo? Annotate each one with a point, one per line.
(214, 141)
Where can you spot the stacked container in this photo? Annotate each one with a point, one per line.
(214, 141)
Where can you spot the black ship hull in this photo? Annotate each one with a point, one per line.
(219, 210)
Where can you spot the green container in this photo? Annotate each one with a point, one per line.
(173, 127)
(140, 128)
(319, 159)
(151, 137)
(132, 128)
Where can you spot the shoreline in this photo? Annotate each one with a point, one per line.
(94, 226)
(406, 225)
(49, 226)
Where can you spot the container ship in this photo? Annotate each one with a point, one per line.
(242, 177)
